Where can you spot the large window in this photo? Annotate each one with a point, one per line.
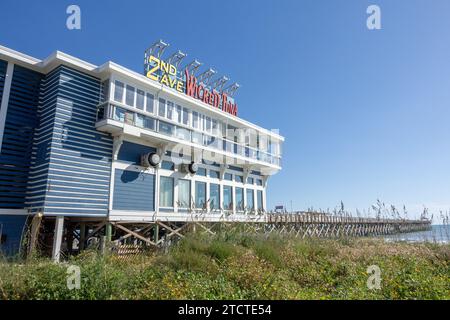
(129, 99)
(260, 200)
(250, 199)
(227, 197)
(166, 192)
(118, 92)
(200, 195)
(184, 193)
(140, 97)
(162, 108)
(239, 199)
(214, 196)
(149, 105)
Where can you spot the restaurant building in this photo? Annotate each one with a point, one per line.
(81, 143)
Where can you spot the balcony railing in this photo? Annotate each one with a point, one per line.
(113, 112)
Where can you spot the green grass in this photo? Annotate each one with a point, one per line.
(233, 265)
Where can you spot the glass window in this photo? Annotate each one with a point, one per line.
(186, 116)
(208, 124)
(259, 182)
(149, 106)
(166, 128)
(250, 199)
(239, 199)
(129, 117)
(195, 122)
(183, 134)
(162, 108)
(260, 200)
(170, 110)
(129, 99)
(227, 198)
(139, 120)
(177, 116)
(201, 172)
(214, 196)
(200, 194)
(250, 180)
(228, 176)
(166, 192)
(214, 174)
(118, 91)
(238, 178)
(197, 137)
(140, 99)
(167, 165)
(119, 114)
(149, 123)
(184, 193)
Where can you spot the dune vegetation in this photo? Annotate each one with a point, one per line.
(233, 265)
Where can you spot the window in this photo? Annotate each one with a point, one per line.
(250, 180)
(200, 195)
(166, 192)
(228, 176)
(177, 115)
(260, 200)
(140, 99)
(239, 199)
(139, 120)
(170, 110)
(208, 124)
(184, 193)
(250, 199)
(167, 165)
(150, 99)
(183, 134)
(214, 196)
(119, 114)
(238, 178)
(162, 108)
(214, 174)
(186, 116)
(149, 123)
(118, 91)
(201, 172)
(129, 99)
(197, 137)
(259, 182)
(166, 128)
(195, 122)
(227, 198)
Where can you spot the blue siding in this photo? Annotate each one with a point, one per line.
(131, 152)
(133, 191)
(71, 159)
(11, 229)
(20, 123)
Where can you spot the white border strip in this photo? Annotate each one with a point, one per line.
(5, 100)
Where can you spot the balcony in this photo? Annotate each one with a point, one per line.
(112, 118)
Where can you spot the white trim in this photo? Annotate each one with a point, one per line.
(5, 100)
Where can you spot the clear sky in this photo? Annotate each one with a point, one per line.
(365, 112)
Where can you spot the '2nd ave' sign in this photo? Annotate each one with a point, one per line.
(166, 74)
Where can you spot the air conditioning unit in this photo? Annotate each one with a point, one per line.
(189, 167)
(151, 159)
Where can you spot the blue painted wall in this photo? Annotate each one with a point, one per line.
(133, 191)
(71, 159)
(20, 123)
(11, 228)
(131, 152)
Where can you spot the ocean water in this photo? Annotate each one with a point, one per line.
(438, 234)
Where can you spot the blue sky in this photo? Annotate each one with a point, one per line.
(365, 113)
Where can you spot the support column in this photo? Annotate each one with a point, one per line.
(108, 232)
(57, 238)
(82, 242)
